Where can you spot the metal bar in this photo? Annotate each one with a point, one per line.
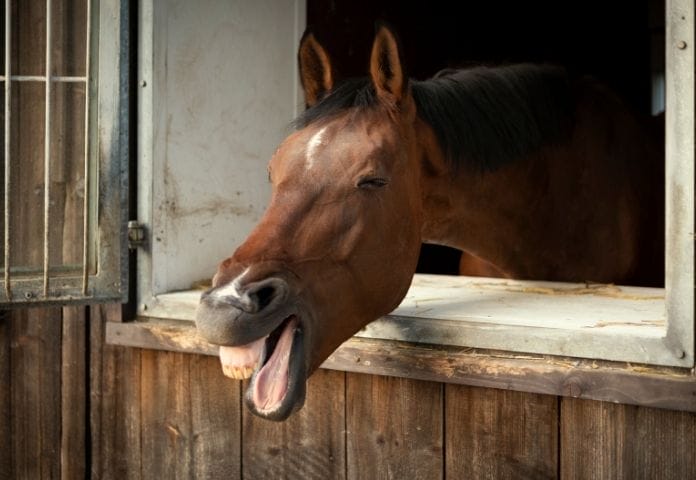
(42, 78)
(47, 150)
(85, 204)
(24, 78)
(8, 110)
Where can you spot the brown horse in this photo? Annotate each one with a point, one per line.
(536, 176)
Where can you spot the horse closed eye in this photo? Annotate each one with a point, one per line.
(371, 183)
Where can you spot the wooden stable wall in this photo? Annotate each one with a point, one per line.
(72, 406)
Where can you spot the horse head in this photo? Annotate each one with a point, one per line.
(337, 246)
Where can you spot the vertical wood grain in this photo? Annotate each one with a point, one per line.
(190, 418)
(309, 445)
(35, 392)
(73, 388)
(5, 395)
(67, 135)
(497, 434)
(114, 402)
(166, 422)
(27, 136)
(395, 428)
(606, 440)
(215, 419)
(43, 406)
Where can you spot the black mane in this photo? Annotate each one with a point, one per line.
(483, 117)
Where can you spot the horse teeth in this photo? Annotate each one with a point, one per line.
(237, 373)
(231, 372)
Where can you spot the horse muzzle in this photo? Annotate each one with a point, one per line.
(230, 315)
(262, 335)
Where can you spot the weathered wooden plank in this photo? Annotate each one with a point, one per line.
(626, 383)
(309, 445)
(67, 197)
(5, 394)
(96, 339)
(27, 140)
(166, 428)
(35, 392)
(671, 388)
(74, 375)
(497, 434)
(190, 418)
(114, 402)
(154, 334)
(605, 440)
(68, 37)
(67, 135)
(394, 428)
(216, 420)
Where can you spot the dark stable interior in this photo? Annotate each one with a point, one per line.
(621, 42)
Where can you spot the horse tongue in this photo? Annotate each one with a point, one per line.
(271, 382)
(239, 362)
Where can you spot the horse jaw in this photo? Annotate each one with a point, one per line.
(276, 365)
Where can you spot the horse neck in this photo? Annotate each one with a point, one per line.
(532, 218)
(479, 213)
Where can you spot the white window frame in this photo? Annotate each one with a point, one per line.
(637, 325)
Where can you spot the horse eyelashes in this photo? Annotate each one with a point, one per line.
(372, 182)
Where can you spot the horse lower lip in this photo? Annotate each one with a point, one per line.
(272, 391)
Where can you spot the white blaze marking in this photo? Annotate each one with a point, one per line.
(232, 288)
(312, 145)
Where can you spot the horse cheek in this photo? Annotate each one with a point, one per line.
(396, 246)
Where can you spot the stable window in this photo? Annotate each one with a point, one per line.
(218, 87)
(64, 155)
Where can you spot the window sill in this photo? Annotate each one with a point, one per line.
(662, 387)
(608, 322)
(536, 337)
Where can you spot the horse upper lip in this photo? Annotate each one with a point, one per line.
(223, 323)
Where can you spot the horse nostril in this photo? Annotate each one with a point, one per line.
(252, 298)
(263, 296)
(263, 293)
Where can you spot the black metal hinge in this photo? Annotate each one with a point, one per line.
(136, 235)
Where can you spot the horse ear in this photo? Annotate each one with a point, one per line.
(316, 72)
(387, 67)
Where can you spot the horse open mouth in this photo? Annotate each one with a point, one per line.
(276, 366)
